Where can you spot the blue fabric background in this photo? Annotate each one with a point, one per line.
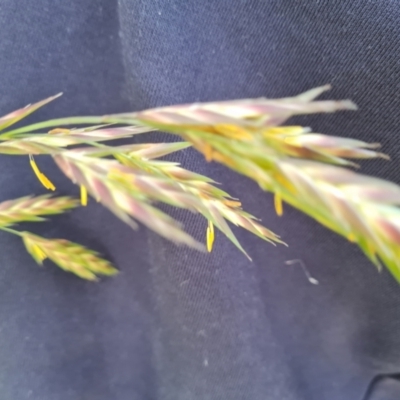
(177, 324)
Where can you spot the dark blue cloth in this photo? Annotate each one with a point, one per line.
(177, 324)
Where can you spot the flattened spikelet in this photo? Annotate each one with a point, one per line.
(69, 256)
(243, 135)
(30, 208)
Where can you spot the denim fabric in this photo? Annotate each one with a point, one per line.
(177, 324)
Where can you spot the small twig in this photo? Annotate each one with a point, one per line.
(307, 273)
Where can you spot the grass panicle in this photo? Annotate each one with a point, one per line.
(307, 170)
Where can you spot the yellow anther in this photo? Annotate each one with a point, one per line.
(278, 204)
(42, 177)
(39, 253)
(84, 196)
(210, 236)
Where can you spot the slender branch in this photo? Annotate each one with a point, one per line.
(13, 231)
